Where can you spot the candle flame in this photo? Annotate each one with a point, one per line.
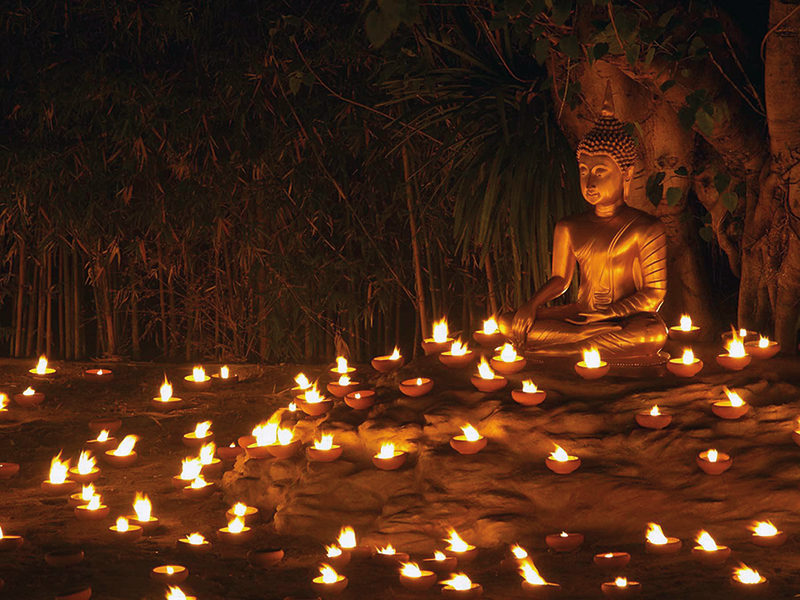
(122, 524)
(41, 366)
(763, 342)
(302, 382)
(236, 526)
(292, 407)
(686, 323)
(418, 381)
(591, 358)
(175, 593)
(742, 332)
(735, 348)
(207, 453)
(688, 357)
(387, 450)
(411, 570)
(326, 443)
(198, 483)
(341, 364)
(266, 433)
(458, 349)
(190, 468)
(519, 552)
(559, 454)
(87, 492)
(100, 372)
(86, 463)
(621, 582)
(654, 412)
(285, 436)
(239, 509)
(29, 391)
(490, 326)
(529, 387)
(459, 582)
(734, 398)
(198, 374)
(388, 550)
(201, 429)
(333, 551)
(439, 556)
(3, 401)
(165, 390)
(224, 372)
(531, 574)
(655, 535)
(347, 538)
(706, 542)
(328, 574)
(712, 456)
(484, 370)
(508, 354)
(344, 380)
(103, 437)
(471, 433)
(764, 529)
(170, 570)
(395, 354)
(440, 331)
(94, 503)
(456, 543)
(745, 574)
(312, 396)
(195, 539)
(563, 534)
(142, 507)
(126, 446)
(58, 470)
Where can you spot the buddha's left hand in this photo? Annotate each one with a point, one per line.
(590, 317)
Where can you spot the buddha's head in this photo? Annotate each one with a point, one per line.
(605, 158)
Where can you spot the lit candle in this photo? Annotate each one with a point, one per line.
(564, 542)
(343, 386)
(313, 403)
(747, 580)
(195, 543)
(736, 359)
(329, 583)
(57, 482)
(685, 366)
(342, 368)
(29, 397)
(230, 452)
(592, 367)
(264, 435)
(732, 408)
(5, 414)
(249, 514)
(389, 557)
(389, 459)
(415, 388)
(83, 497)
(766, 535)
(324, 450)
(123, 455)
(707, 552)
(745, 334)
(763, 349)
(85, 472)
(464, 552)
(415, 579)
(361, 400)
(612, 560)
(653, 419)
(561, 462)
(209, 464)
(124, 531)
(98, 375)
(93, 511)
(471, 442)
(302, 383)
(460, 586)
(534, 584)
(198, 380)
(236, 532)
(166, 401)
(486, 381)
(508, 362)
(686, 331)
(621, 588)
(199, 488)
(176, 593)
(102, 442)
(190, 469)
(337, 557)
(169, 574)
(143, 517)
(202, 433)
(440, 340)
(440, 563)
(225, 377)
(41, 369)
(389, 362)
(490, 336)
(347, 541)
(287, 446)
(458, 357)
(529, 395)
(10, 542)
(713, 462)
(658, 543)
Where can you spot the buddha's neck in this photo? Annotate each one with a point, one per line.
(608, 210)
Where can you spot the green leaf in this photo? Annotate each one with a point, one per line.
(707, 233)
(667, 84)
(674, 195)
(569, 46)
(378, 27)
(632, 53)
(514, 7)
(562, 9)
(682, 171)
(651, 53)
(730, 200)
(705, 122)
(664, 19)
(600, 50)
(540, 50)
(721, 181)
(499, 21)
(686, 116)
(654, 188)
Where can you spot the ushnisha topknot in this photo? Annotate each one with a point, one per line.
(608, 136)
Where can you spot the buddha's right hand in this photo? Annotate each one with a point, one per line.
(523, 323)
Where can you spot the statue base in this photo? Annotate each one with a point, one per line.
(653, 360)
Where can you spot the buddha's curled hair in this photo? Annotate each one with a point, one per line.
(608, 136)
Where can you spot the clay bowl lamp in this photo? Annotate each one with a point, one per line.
(29, 397)
(202, 434)
(143, 516)
(8, 470)
(361, 400)
(763, 349)
(341, 368)
(85, 472)
(612, 560)
(748, 582)
(169, 574)
(621, 588)
(209, 464)
(57, 484)
(708, 553)
(534, 585)
(324, 450)
(414, 388)
(199, 489)
(508, 362)
(265, 558)
(458, 357)
(41, 370)
(101, 443)
(195, 544)
(732, 408)
(347, 541)
(591, 367)
(389, 459)
(224, 378)
(490, 336)
(336, 557)
(62, 559)
(258, 452)
(236, 533)
(736, 358)
(460, 587)
(190, 469)
(529, 395)
(166, 402)
(713, 462)
(93, 511)
(745, 335)
(81, 593)
(388, 363)
(685, 332)
(230, 453)
(124, 455)
(562, 463)
(198, 381)
(329, 582)
(123, 531)
(5, 414)
(98, 375)
(343, 386)
(109, 423)
(83, 497)
(514, 562)
(470, 442)
(10, 543)
(415, 579)
(303, 384)
(564, 542)
(464, 552)
(313, 404)
(486, 381)
(440, 563)
(440, 341)
(685, 366)
(248, 514)
(766, 535)
(389, 557)
(659, 544)
(653, 419)
(286, 445)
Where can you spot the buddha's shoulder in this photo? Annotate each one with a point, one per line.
(646, 222)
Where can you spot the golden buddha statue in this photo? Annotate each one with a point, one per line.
(622, 256)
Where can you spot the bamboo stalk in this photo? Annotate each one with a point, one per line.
(62, 349)
(41, 308)
(32, 312)
(18, 308)
(49, 317)
(491, 283)
(412, 223)
(77, 307)
(161, 298)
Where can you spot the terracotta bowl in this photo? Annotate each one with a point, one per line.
(410, 388)
(90, 477)
(457, 361)
(711, 558)
(390, 560)
(679, 335)
(245, 440)
(724, 410)
(563, 468)
(617, 560)
(548, 591)
(673, 546)
(91, 375)
(559, 543)
(476, 591)
(508, 368)
(382, 364)
(233, 379)
(250, 518)
(179, 483)
(85, 514)
(365, 399)
(360, 552)
(390, 464)
(324, 455)
(432, 347)
(228, 453)
(734, 364)
(28, 401)
(63, 558)
(769, 541)
(6, 415)
(463, 558)
(315, 409)
(199, 493)
(258, 452)
(119, 461)
(75, 500)
(463, 446)
(75, 594)
(488, 386)
(489, 340)
(677, 368)
(285, 451)
(172, 404)
(648, 421)
(196, 386)
(752, 336)
(159, 575)
(440, 566)
(612, 590)
(133, 533)
(190, 440)
(329, 589)
(587, 373)
(528, 398)
(100, 447)
(9, 543)
(723, 463)
(265, 558)
(203, 548)
(63, 489)
(340, 391)
(148, 527)
(98, 424)
(235, 539)
(753, 349)
(212, 469)
(750, 589)
(8, 470)
(418, 584)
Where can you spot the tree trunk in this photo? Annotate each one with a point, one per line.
(49, 318)
(412, 223)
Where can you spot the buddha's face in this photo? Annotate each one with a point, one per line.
(602, 181)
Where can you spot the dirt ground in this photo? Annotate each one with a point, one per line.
(117, 571)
